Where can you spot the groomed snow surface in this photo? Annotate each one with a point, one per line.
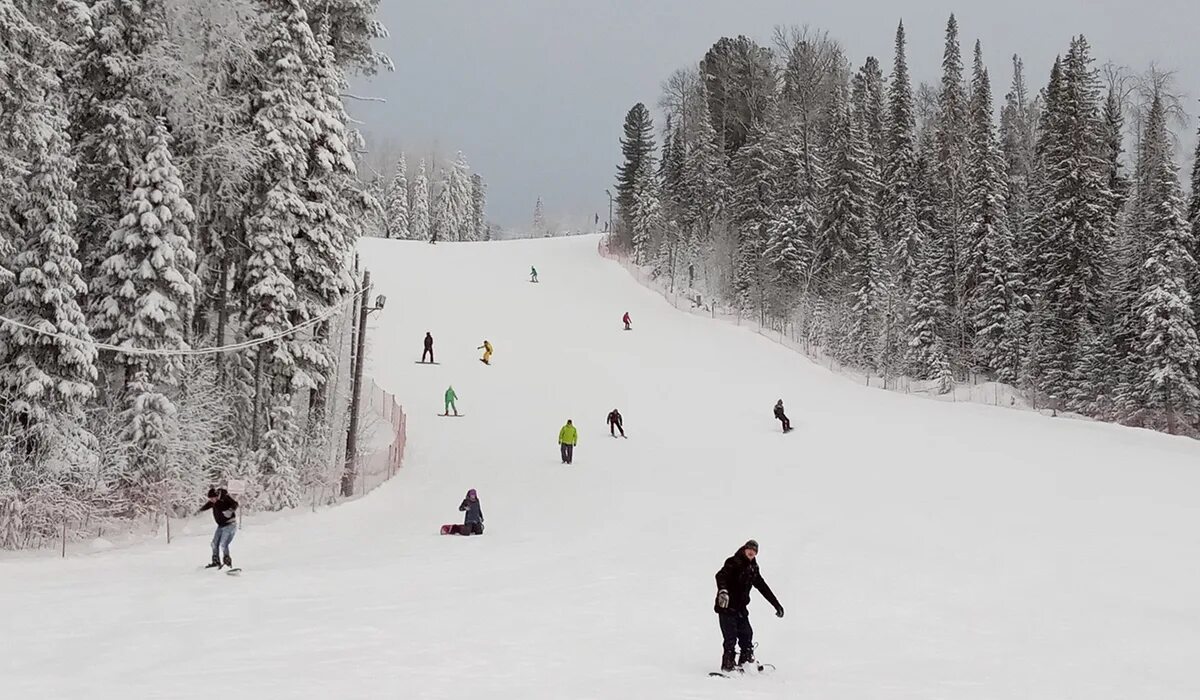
(921, 549)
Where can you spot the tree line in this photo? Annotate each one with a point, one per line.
(173, 176)
(908, 231)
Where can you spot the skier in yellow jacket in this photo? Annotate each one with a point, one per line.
(487, 352)
(568, 437)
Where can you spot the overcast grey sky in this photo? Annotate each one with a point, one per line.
(534, 91)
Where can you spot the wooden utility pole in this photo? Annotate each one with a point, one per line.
(348, 474)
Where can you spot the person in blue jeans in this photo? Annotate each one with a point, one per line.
(224, 510)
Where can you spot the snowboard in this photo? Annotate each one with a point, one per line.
(452, 415)
(756, 668)
(484, 361)
(422, 362)
(234, 571)
(451, 529)
(788, 431)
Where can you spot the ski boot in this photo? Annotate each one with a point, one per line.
(215, 564)
(727, 661)
(228, 561)
(746, 657)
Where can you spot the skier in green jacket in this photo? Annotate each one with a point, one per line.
(532, 273)
(568, 437)
(450, 397)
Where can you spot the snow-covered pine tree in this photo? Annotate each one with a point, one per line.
(539, 220)
(149, 268)
(1114, 135)
(951, 187)
(1017, 143)
(479, 230)
(645, 216)
(1075, 222)
(396, 207)
(350, 27)
(441, 225)
(1165, 389)
(989, 261)
(143, 486)
(637, 146)
(110, 118)
(335, 205)
(279, 208)
(704, 179)
(868, 291)
(902, 235)
(40, 375)
(419, 223)
(923, 345)
(459, 212)
(756, 176)
(845, 213)
(279, 480)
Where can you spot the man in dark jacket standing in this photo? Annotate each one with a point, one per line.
(615, 423)
(734, 581)
(782, 417)
(224, 510)
(428, 348)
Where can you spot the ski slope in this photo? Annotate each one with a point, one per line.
(921, 549)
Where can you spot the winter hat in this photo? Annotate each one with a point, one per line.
(751, 544)
(470, 493)
(212, 493)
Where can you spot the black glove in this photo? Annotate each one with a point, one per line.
(778, 611)
(722, 598)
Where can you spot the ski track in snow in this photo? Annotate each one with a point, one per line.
(921, 549)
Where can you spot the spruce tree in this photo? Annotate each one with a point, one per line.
(419, 222)
(756, 186)
(1166, 391)
(1017, 143)
(396, 207)
(478, 205)
(902, 235)
(150, 269)
(951, 187)
(539, 220)
(990, 264)
(43, 375)
(645, 216)
(637, 147)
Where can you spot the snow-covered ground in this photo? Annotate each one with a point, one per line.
(921, 549)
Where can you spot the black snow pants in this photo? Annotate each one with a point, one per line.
(736, 629)
(568, 451)
(787, 424)
(428, 351)
(614, 427)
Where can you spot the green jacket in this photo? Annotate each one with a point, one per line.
(568, 435)
(450, 395)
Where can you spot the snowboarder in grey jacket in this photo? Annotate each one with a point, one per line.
(473, 521)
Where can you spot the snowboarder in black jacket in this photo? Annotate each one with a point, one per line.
(781, 417)
(224, 510)
(734, 581)
(615, 423)
(473, 521)
(428, 348)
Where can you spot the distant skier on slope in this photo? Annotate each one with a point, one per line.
(428, 347)
(487, 352)
(450, 398)
(532, 273)
(782, 417)
(734, 581)
(615, 422)
(625, 319)
(224, 510)
(568, 437)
